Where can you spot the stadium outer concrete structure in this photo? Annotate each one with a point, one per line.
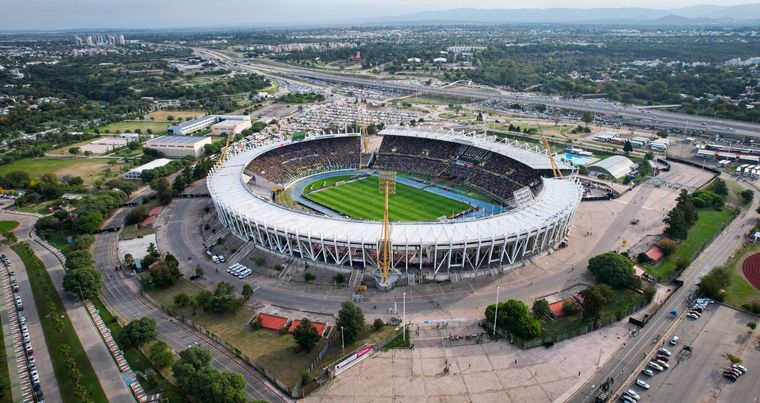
(431, 249)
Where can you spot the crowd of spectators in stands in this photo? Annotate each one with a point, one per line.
(496, 174)
(292, 161)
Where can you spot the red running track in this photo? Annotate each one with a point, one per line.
(751, 270)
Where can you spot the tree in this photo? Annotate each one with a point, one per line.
(79, 259)
(88, 222)
(182, 299)
(198, 381)
(340, 278)
(613, 269)
(515, 319)
(683, 201)
(247, 291)
(676, 224)
(199, 271)
(163, 190)
(306, 335)
(82, 283)
(136, 215)
(540, 308)
(667, 246)
(747, 196)
(587, 118)
(719, 187)
(378, 324)
(351, 319)
(129, 261)
(75, 150)
(160, 354)
(595, 297)
(713, 284)
(569, 307)
(138, 332)
(308, 277)
(627, 147)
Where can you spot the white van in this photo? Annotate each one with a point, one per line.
(215, 259)
(234, 267)
(245, 273)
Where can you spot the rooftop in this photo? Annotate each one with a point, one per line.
(175, 140)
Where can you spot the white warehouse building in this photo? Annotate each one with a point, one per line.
(134, 173)
(178, 146)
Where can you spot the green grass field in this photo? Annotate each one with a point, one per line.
(361, 199)
(327, 182)
(6, 226)
(739, 290)
(708, 225)
(89, 169)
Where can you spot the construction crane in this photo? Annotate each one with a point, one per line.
(555, 169)
(223, 156)
(387, 186)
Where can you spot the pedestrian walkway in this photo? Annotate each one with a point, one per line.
(118, 356)
(108, 373)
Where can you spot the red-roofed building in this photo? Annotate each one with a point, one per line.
(154, 211)
(557, 309)
(654, 254)
(317, 325)
(272, 322)
(148, 221)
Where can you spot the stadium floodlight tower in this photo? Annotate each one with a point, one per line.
(386, 280)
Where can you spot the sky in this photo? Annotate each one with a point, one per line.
(71, 14)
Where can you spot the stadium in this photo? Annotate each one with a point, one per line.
(462, 203)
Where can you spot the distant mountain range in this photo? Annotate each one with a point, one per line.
(700, 14)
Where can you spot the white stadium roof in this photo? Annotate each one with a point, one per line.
(557, 198)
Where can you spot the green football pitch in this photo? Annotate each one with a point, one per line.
(361, 199)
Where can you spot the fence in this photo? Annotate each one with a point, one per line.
(292, 391)
(542, 341)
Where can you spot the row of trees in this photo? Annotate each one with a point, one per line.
(513, 316)
(159, 273)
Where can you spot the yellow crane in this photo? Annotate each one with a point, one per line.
(223, 156)
(387, 186)
(555, 168)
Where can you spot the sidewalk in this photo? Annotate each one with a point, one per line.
(108, 373)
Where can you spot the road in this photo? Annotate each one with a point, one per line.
(124, 298)
(630, 357)
(641, 116)
(48, 381)
(108, 373)
(184, 241)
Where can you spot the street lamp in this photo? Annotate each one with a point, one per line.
(342, 341)
(404, 317)
(80, 293)
(496, 311)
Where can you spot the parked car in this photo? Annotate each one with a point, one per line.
(642, 384)
(740, 368)
(19, 303)
(692, 316)
(663, 358)
(633, 394)
(730, 376)
(647, 371)
(655, 366)
(674, 341)
(664, 350)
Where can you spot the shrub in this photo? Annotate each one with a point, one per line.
(309, 277)
(378, 324)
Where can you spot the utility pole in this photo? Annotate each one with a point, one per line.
(404, 316)
(342, 341)
(496, 311)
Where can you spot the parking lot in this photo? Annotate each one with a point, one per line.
(697, 376)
